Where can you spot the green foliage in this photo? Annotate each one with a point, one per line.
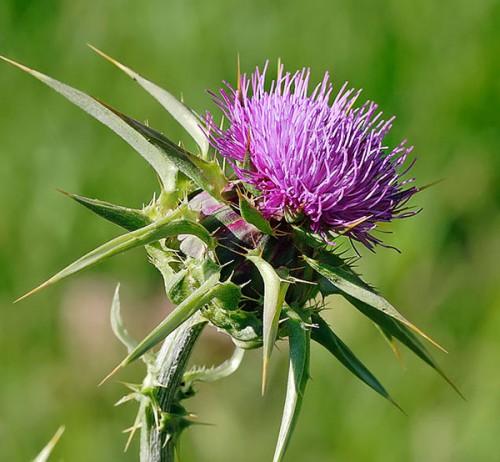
(325, 336)
(212, 374)
(111, 118)
(171, 225)
(353, 288)
(207, 175)
(416, 60)
(253, 216)
(275, 288)
(127, 218)
(185, 310)
(298, 376)
(189, 120)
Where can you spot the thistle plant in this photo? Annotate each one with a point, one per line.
(245, 232)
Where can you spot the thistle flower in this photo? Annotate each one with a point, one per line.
(230, 258)
(309, 159)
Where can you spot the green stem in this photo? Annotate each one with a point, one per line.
(171, 363)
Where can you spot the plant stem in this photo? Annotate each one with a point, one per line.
(156, 443)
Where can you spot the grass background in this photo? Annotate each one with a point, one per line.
(433, 64)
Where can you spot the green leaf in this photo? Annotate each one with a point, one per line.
(307, 237)
(156, 157)
(298, 376)
(207, 175)
(192, 274)
(324, 335)
(253, 216)
(130, 219)
(168, 226)
(228, 296)
(351, 285)
(216, 373)
(185, 116)
(119, 329)
(198, 298)
(43, 456)
(394, 328)
(274, 295)
(244, 327)
(117, 325)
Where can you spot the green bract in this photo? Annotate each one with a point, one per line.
(223, 264)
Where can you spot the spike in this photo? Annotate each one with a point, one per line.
(239, 94)
(428, 185)
(113, 372)
(265, 365)
(35, 290)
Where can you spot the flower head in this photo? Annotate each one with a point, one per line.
(312, 159)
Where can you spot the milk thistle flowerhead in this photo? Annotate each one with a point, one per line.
(307, 157)
(249, 251)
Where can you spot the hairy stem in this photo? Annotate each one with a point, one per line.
(158, 444)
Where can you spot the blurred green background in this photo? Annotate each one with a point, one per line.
(433, 64)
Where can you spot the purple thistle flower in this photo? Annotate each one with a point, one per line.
(310, 159)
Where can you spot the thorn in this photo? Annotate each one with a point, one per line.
(65, 192)
(247, 149)
(125, 399)
(205, 424)
(355, 223)
(129, 429)
(113, 372)
(239, 94)
(35, 290)
(452, 385)
(112, 61)
(265, 365)
(398, 354)
(421, 188)
(293, 280)
(20, 66)
(396, 405)
(57, 436)
(168, 437)
(424, 335)
(132, 431)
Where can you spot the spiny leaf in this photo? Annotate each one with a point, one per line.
(400, 331)
(43, 456)
(117, 325)
(156, 157)
(130, 219)
(168, 226)
(185, 116)
(308, 237)
(274, 295)
(207, 175)
(298, 376)
(216, 373)
(351, 285)
(251, 215)
(120, 330)
(228, 296)
(324, 335)
(199, 298)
